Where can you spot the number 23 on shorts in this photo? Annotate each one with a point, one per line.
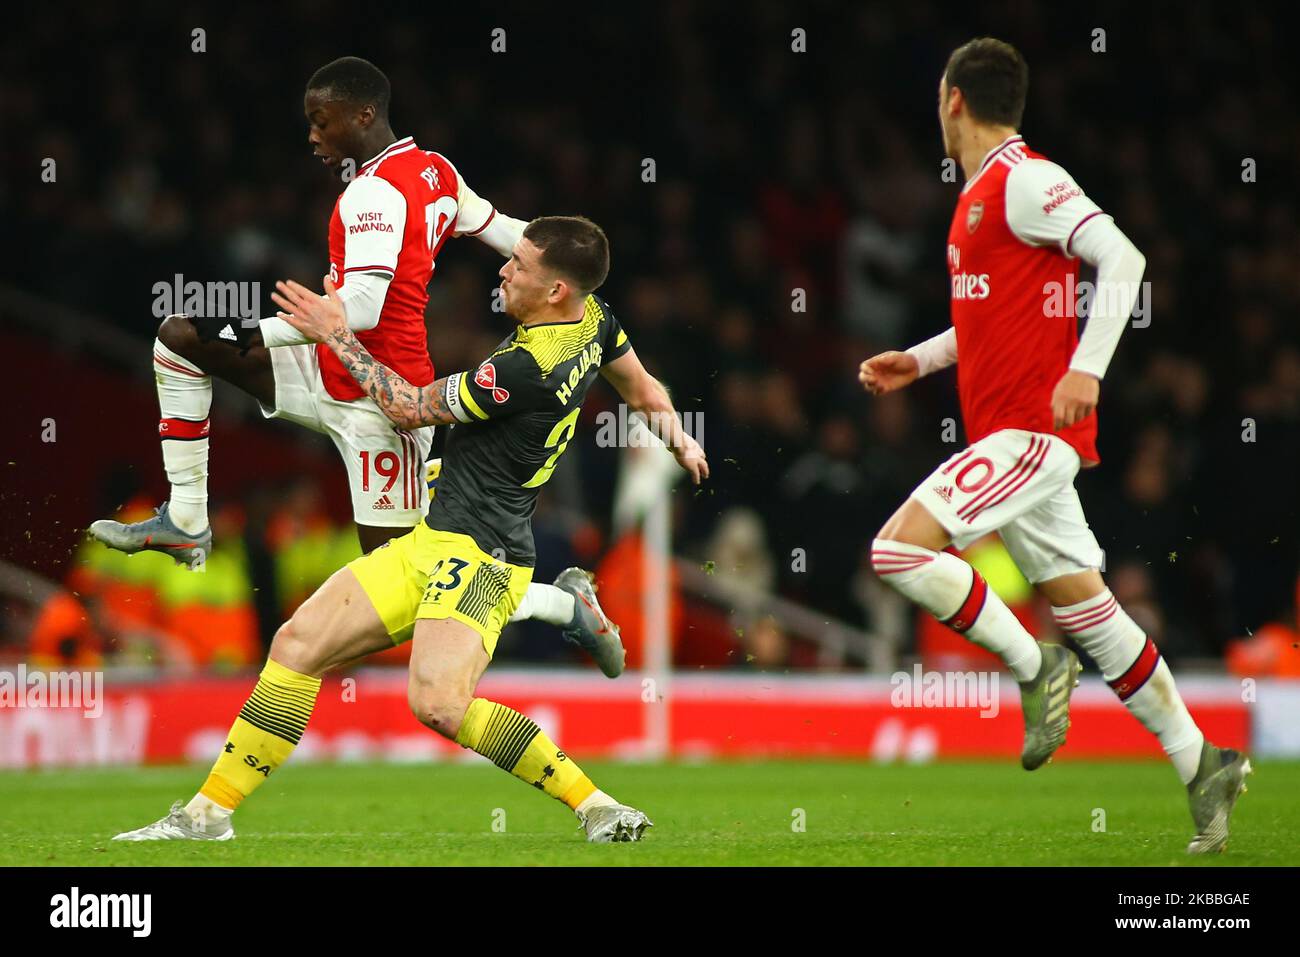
(445, 577)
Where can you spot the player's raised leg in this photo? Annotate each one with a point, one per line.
(570, 604)
(335, 626)
(183, 368)
(908, 555)
(1086, 610)
(447, 660)
(976, 491)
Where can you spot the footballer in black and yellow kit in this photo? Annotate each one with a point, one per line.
(453, 581)
(515, 413)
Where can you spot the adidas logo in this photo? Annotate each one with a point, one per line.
(384, 502)
(227, 333)
(944, 492)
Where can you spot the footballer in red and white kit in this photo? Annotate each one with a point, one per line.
(400, 205)
(1029, 387)
(385, 234)
(1009, 254)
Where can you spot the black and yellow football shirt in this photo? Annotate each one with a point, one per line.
(517, 412)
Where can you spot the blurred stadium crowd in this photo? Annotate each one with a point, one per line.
(774, 172)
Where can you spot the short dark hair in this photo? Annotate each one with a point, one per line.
(993, 77)
(354, 80)
(573, 246)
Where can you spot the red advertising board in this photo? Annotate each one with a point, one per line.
(365, 717)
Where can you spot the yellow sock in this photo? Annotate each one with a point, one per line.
(267, 730)
(513, 742)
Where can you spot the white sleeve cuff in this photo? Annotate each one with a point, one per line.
(937, 352)
(501, 233)
(363, 300)
(276, 333)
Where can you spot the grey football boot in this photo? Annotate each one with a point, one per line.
(590, 629)
(1219, 781)
(614, 824)
(179, 825)
(157, 534)
(1045, 701)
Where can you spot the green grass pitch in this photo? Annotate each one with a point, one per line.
(714, 814)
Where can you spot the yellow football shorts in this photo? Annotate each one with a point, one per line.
(432, 574)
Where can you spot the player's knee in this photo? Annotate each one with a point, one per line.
(291, 648)
(177, 334)
(899, 562)
(437, 707)
(894, 529)
(913, 525)
(1072, 588)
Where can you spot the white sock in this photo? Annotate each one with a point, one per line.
(596, 798)
(184, 400)
(957, 595)
(1132, 666)
(204, 811)
(545, 603)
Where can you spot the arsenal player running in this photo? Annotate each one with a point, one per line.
(1029, 388)
(387, 228)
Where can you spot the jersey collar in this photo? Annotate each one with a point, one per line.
(405, 143)
(990, 156)
(522, 331)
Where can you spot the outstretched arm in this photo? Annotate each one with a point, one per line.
(645, 394)
(501, 232)
(323, 319)
(486, 223)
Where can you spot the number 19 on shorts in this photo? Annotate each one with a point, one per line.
(386, 464)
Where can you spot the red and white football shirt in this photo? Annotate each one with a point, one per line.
(1013, 288)
(392, 220)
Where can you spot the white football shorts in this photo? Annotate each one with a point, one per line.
(386, 472)
(1020, 484)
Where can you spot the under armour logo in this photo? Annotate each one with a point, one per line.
(547, 772)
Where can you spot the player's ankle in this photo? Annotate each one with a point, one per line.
(1028, 667)
(553, 605)
(190, 517)
(207, 811)
(596, 798)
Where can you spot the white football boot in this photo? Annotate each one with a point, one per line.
(180, 825)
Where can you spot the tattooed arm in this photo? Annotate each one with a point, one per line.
(323, 319)
(407, 406)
